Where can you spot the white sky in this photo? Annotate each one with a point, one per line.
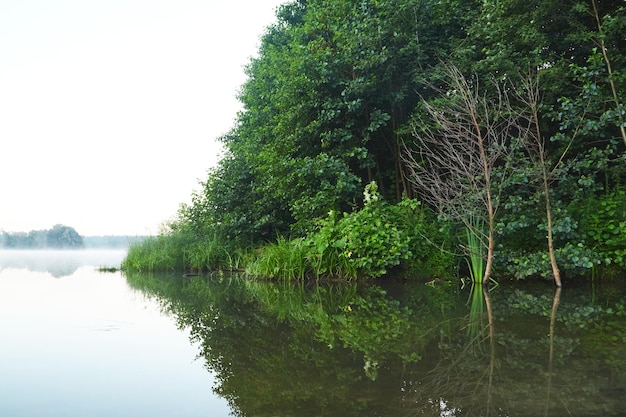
(109, 109)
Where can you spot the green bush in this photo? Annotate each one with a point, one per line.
(366, 242)
(604, 223)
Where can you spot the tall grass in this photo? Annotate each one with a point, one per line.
(330, 262)
(179, 251)
(299, 258)
(159, 253)
(476, 250)
(285, 259)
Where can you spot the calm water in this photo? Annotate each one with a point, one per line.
(76, 342)
(86, 343)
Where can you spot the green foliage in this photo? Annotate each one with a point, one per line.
(285, 259)
(369, 241)
(476, 249)
(326, 109)
(604, 222)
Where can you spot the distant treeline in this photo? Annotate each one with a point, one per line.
(59, 236)
(63, 237)
(111, 242)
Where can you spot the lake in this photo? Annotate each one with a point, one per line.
(79, 342)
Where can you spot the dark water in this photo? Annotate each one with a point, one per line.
(405, 349)
(115, 345)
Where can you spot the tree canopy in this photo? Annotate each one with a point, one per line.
(339, 88)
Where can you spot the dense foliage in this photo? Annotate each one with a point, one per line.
(59, 237)
(333, 101)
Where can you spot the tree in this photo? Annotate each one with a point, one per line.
(61, 236)
(325, 100)
(459, 140)
(529, 125)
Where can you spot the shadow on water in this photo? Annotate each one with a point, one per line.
(402, 349)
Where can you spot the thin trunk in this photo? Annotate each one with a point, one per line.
(555, 267)
(609, 68)
(546, 191)
(533, 100)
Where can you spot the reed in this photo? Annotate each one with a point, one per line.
(205, 255)
(475, 250)
(285, 259)
(160, 253)
(182, 251)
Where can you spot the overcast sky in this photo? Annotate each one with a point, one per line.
(109, 109)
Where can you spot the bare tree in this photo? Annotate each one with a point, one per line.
(534, 142)
(459, 142)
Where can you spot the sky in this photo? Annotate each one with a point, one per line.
(110, 109)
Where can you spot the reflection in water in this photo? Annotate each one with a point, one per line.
(555, 306)
(403, 350)
(59, 263)
(88, 345)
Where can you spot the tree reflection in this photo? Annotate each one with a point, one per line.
(555, 306)
(461, 382)
(403, 350)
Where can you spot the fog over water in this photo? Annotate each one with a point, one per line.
(109, 110)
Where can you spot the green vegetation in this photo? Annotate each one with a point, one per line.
(59, 237)
(360, 96)
(476, 258)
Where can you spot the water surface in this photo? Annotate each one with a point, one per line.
(404, 348)
(76, 342)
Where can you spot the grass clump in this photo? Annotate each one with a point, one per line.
(476, 251)
(110, 269)
(182, 251)
(158, 253)
(286, 259)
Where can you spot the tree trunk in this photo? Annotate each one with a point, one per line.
(555, 267)
(538, 148)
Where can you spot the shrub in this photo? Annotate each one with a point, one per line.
(368, 241)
